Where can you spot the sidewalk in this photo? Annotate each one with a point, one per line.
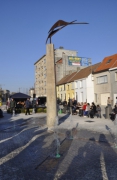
(95, 124)
(67, 121)
(27, 149)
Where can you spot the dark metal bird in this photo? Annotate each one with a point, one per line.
(59, 25)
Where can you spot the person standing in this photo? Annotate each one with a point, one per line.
(84, 109)
(64, 106)
(1, 113)
(98, 109)
(34, 105)
(74, 104)
(12, 105)
(109, 101)
(27, 106)
(116, 100)
(87, 109)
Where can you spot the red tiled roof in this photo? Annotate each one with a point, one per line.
(66, 79)
(59, 61)
(107, 63)
(83, 73)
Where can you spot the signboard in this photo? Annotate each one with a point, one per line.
(74, 61)
(79, 61)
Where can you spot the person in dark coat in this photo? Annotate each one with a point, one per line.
(94, 108)
(91, 112)
(27, 106)
(98, 110)
(64, 106)
(113, 113)
(74, 104)
(115, 109)
(1, 113)
(12, 105)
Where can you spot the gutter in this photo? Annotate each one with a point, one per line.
(112, 69)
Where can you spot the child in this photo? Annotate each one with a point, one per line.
(98, 109)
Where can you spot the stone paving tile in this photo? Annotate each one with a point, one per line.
(27, 153)
(85, 160)
(23, 149)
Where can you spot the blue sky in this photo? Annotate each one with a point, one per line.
(24, 26)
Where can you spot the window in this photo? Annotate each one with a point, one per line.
(64, 87)
(81, 96)
(96, 98)
(108, 61)
(68, 96)
(68, 87)
(76, 96)
(44, 75)
(102, 79)
(115, 76)
(81, 84)
(65, 96)
(72, 85)
(44, 60)
(61, 97)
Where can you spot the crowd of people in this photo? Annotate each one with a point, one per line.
(82, 109)
(72, 106)
(27, 104)
(88, 110)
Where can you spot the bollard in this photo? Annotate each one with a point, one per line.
(108, 110)
(60, 111)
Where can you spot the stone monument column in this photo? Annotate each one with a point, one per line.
(51, 87)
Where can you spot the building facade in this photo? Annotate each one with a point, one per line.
(60, 67)
(113, 80)
(32, 92)
(40, 77)
(104, 80)
(102, 87)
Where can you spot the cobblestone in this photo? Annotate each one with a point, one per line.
(27, 152)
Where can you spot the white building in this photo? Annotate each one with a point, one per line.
(84, 84)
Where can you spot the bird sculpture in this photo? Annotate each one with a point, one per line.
(59, 25)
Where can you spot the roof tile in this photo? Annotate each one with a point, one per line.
(107, 63)
(83, 73)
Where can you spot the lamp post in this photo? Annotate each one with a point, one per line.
(51, 74)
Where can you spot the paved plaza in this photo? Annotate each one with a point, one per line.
(87, 148)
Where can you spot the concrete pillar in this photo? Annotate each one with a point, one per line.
(51, 87)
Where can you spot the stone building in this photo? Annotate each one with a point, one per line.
(62, 68)
(32, 92)
(40, 70)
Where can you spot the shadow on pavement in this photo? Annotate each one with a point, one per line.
(90, 160)
(62, 119)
